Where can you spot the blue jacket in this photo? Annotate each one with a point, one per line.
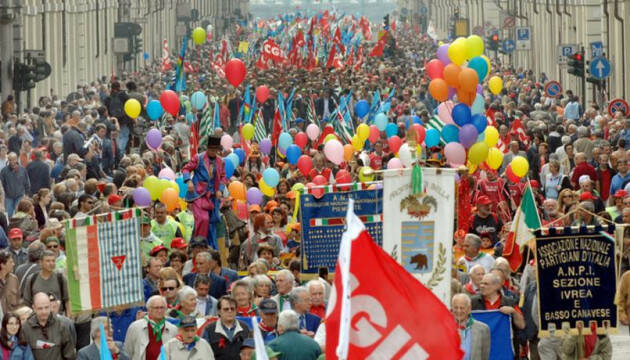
(230, 275)
(312, 321)
(218, 287)
(21, 352)
(121, 321)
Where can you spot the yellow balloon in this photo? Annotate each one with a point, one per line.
(489, 65)
(152, 184)
(495, 158)
(183, 205)
(471, 167)
(265, 189)
(491, 136)
(173, 185)
(330, 137)
(478, 153)
(248, 131)
(457, 51)
(357, 144)
(133, 108)
(363, 131)
(297, 187)
(474, 46)
(520, 166)
(495, 84)
(366, 174)
(199, 36)
(163, 185)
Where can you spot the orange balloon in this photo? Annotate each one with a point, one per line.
(466, 97)
(237, 190)
(468, 79)
(438, 89)
(347, 152)
(451, 74)
(169, 199)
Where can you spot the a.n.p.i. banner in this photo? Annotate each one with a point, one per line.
(419, 227)
(103, 261)
(322, 216)
(576, 281)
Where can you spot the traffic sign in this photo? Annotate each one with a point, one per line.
(553, 89)
(565, 51)
(508, 46)
(523, 38)
(597, 49)
(600, 68)
(617, 105)
(509, 22)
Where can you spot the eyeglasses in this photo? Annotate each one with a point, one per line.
(52, 246)
(169, 288)
(229, 309)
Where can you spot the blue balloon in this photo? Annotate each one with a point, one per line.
(450, 133)
(432, 138)
(271, 177)
(183, 188)
(361, 108)
(461, 114)
(190, 117)
(234, 159)
(154, 110)
(228, 166)
(198, 100)
(293, 154)
(284, 141)
(480, 122)
(480, 66)
(391, 129)
(478, 106)
(417, 120)
(241, 155)
(380, 121)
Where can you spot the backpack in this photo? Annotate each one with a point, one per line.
(31, 282)
(115, 107)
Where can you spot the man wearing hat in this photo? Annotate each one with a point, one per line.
(147, 239)
(205, 176)
(268, 310)
(187, 345)
(20, 256)
(485, 221)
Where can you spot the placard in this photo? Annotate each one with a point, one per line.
(576, 282)
(322, 220)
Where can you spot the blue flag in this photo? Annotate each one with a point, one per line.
(216, 122)
(105, 353)
(500, 333)
(180, 75)
(376, 102)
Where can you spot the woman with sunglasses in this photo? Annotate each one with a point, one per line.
(12, 343)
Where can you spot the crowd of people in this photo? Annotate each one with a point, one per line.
(82, 155)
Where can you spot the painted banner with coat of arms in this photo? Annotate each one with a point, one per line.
(419, 227)
(103, 261)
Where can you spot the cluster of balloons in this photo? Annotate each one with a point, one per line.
(163, 188)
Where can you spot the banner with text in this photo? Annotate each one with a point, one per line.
(322, 216)
(419, 227)
(576, 282)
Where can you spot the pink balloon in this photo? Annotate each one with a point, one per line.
(227, 142)
(167, 173)
(444, 112)
(312, 131)
(334, 151)
(375, 134)
(434, 69)
(394, 143)
(300, 140)
(394, 163)
(455, 154)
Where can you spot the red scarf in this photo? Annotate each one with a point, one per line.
(264, 327)
(590, 341)
(245, 311)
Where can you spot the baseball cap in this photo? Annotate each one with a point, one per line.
(51, 239)
(587, 196)
(178, 243)
(157, 249)
(268, 306)
(188, 321)
(113, 198)
(534, 184)
(254, 207)
(483, 200)
(15, 233)
(621, 193)
(146, 220)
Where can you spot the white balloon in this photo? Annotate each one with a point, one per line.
(404, 154)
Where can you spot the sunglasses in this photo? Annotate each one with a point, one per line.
(170, 288)
(52, 246)
(228, 309)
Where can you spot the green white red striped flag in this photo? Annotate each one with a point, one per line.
(104, 269)
(525, 220)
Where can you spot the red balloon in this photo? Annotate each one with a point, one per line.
(320, 180)
(305, 164)
(435, 69)
(317, 193)
(235, 72)
(300, 140)
(343, 177)
(375, 134)
(394, 143)
(170, 102)
(262, 93)
(511, 175)
(420, 132)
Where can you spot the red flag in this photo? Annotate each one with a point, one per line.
(350, 61)
(271, 50)
(378, 48)
(337, 41)
(277, 128)
(394, 25)
(419, 326)
(331, 57)
(261, 64)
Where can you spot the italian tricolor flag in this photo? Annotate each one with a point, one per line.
(525, 218)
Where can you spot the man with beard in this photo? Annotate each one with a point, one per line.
(550, 212)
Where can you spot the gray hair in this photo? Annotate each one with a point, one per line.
(475, 267)
(206, 255)
(315, 282)
(462, 296)
(184, 292)
(155, 298)
(95, 325)
(294, 295)
(582, 131)
(245, 284)
(474, 239)
(287, 273)
(494, 278)
(587, 205)
(261, 279)
(288, 320)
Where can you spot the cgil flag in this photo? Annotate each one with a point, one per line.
(525, 218)
(360, 321)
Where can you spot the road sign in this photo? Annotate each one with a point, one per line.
(508, 46)
(617, 105)
(597, 49)
(600, 68)
(509, 22)
(523, 38)
(565, 51)
(553, 89)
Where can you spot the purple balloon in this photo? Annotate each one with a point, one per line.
(154, 138)
(468, 135)
(451, 93)
(442, 54)
(141, 196)
(265, 146)
(479, 89)
(254, 196)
